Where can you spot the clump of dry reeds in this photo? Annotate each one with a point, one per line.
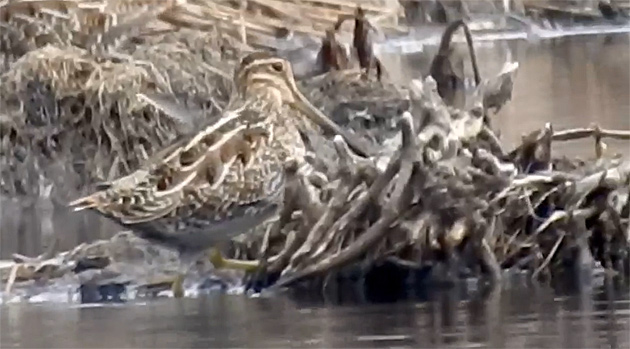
(72, 72)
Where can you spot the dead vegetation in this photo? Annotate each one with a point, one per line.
(83, 112)
(443, 192)
(450, 195)
(71, 72)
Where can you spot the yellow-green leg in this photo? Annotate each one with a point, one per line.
(178, 285)
(217, 259)
(175, 283)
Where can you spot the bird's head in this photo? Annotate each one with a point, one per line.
(263, 75)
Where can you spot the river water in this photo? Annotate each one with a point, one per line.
(520, 318)
(571, 82)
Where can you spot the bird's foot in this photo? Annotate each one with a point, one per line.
(155, 285)
(217, 259)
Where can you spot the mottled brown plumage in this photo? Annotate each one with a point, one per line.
(223, 180)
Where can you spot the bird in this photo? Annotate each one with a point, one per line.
(223, 180)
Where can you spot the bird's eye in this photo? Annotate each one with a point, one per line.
(277, 67)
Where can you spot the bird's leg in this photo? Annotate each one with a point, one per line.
(177, 287)
(217, 259)
(185, 264)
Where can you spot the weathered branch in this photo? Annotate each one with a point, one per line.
(375, 232)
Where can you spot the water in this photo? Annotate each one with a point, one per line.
(525, 29)
(511, 319)
(571, 82)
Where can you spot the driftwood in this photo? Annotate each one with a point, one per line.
(463, 196)
(447, 190)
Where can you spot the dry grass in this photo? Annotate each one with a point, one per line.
(66, 104)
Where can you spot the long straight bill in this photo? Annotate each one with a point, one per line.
(323, 121)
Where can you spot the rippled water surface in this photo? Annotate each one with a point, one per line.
(511, 319)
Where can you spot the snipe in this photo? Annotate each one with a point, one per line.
(224, 180)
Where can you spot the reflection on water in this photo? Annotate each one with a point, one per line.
(571, 82)
(512, 319)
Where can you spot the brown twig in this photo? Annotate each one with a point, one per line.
(580, 133)
(334, 206)
(375, 232)
(550, 255)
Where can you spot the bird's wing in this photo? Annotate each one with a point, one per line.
(182, 174)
